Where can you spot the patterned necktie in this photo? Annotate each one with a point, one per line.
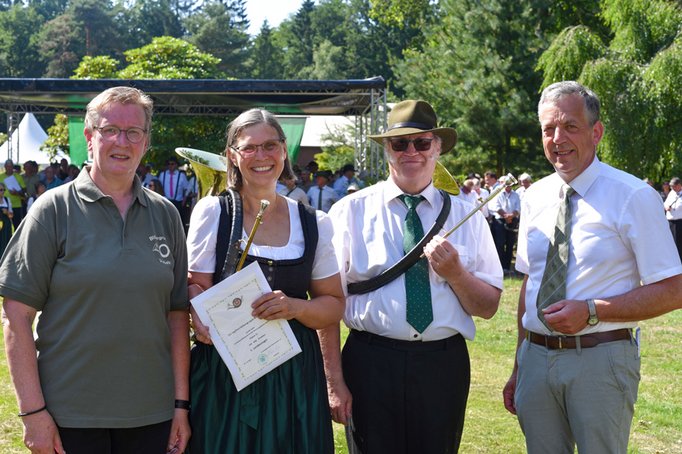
(417, 285)
(553, 285)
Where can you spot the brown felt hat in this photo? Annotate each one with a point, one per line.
(414, 117)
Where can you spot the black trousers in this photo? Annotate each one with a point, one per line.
(676, 229)
(18, 215)
(505, 240)
(408, 397)
(152, 439)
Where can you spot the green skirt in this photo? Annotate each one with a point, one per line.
(286, 411)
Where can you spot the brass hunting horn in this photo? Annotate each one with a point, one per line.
(209, 168)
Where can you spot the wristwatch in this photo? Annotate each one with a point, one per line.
(592, 308)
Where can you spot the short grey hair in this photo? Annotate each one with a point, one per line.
(245, 120)
(119, 95)
(570, 87)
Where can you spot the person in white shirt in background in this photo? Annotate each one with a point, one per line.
(525, 181)
(290, 189)
(482, 194)
(40, 190)
(467, 193)
(505, 207)
(347, 178)
(174, 183)
(673, 211)
(321, 196)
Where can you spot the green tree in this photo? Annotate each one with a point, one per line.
(86, 28)
(61, 45)
(49, 9)
(399, 13)
(101, 67)
(299, 41)
(338, 39)
(147, 19)
(220, 28)
(19, 55)
(164, 58)
(266, 58)
(637, 72)
(477, 69)
(339, 149)
(57, 137)
(169, 58)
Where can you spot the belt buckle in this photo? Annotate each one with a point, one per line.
(560, 339)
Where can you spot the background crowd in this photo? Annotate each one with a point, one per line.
(309, 185)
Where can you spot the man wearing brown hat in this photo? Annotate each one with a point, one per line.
(404, 382)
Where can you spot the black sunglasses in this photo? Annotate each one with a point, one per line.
(420, 144)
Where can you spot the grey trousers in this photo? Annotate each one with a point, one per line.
(582, 397)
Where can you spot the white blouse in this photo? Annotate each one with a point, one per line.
(203, 234)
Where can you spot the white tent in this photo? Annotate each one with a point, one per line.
(317, 126)
(26, 141)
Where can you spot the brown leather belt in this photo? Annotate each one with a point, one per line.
(586, 340)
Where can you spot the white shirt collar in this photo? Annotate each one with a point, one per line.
(430, 193)
(582, 183)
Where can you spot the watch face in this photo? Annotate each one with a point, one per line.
(592, 321)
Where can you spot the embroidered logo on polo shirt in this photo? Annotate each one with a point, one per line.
(161, 248)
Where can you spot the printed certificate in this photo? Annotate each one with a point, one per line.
(250, 347)
(12, 184)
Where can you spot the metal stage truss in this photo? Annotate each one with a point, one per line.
(362, 99)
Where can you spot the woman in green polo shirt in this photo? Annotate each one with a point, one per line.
(105, 261)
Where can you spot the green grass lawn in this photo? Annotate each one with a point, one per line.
(656, 428)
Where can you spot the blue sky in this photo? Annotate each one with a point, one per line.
(274, 10)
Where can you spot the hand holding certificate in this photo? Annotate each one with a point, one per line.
(250, 347)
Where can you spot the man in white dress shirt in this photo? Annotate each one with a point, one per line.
(673, 212)
(505, 207)
(174, 183)
(405, 380)
(321, 196)
(525, 180)
(576, 373)
(346, 179)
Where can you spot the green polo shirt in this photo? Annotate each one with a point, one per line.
(105, 286)
(31, 183)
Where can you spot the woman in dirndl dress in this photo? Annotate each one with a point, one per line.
(285, 411)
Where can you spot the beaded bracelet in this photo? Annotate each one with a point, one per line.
(29, 413)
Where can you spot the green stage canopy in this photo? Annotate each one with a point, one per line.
(364, 99)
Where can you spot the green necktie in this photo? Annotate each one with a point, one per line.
(553, 285)
(417, 284)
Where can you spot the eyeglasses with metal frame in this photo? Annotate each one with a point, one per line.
(134, 135)
(249, 150)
